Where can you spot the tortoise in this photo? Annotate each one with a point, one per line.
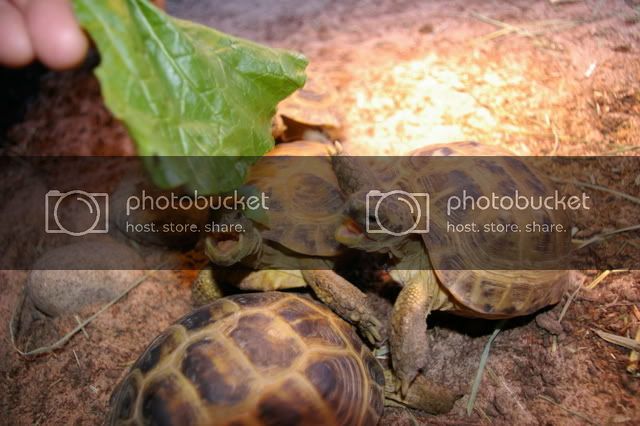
(269, 358)
(433, 267)
(294, 246)
(308, 114)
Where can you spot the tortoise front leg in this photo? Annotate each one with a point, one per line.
(408, 334)
(346, 300)
(205, 288)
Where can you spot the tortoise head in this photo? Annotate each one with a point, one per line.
(377, 220)
(233, 239)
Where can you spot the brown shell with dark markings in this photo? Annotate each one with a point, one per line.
(305, 201)
(253, 359)
(502, 291)
(309, 113)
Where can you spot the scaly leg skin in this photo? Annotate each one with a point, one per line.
(346, 300)
(408, 335)
(205, 289)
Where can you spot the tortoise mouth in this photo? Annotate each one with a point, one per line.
(350, 233)
(224, 248)
(224, 241)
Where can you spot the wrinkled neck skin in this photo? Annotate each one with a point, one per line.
(413, 265)
(273, 255)
(254, 247)
(412, 262)
(352, 174)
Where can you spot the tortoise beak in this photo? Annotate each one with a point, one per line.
(350, 234)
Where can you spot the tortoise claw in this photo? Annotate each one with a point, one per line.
(399, 384)
(404, 386)
(421, 394)
(347, 301)
(371, 328)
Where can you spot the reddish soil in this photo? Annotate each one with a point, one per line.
(560, 79)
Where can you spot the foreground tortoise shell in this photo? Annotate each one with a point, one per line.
(499, 292)
(261, 359)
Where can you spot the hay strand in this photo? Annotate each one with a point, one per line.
(568, 410)
(483, 361)
(625, 342)
(64, 339)
(598, 188)
(603, 236)
(634, 356)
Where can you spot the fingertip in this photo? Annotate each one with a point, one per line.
(57, 39)
(15, 44)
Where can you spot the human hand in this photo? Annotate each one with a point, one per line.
(42, 29)
(46, 30)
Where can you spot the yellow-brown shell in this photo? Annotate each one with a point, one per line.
(305, 202)
(502, 291)
(253, 359)
(308, 112)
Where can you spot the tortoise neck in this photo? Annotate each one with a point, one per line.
(353, 174)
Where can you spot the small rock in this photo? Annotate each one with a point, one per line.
(549, 323)
(622, 48)
(623, 222)
(57, 285)
(586, 233)
(530, 392)
(113, 373)
(491, 410)
(442, 333)
(567, 327)
(426, 28)
(554, 394)
(550, 379)
(631, 293)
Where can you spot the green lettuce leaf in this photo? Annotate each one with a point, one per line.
(185, 90)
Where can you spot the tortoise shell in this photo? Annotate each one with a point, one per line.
(500, 291)
(305, 202)
(310, 112)
(260, 359)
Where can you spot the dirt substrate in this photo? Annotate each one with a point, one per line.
(407, 73)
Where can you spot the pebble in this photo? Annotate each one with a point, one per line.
(56, 286)
(548, 322)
